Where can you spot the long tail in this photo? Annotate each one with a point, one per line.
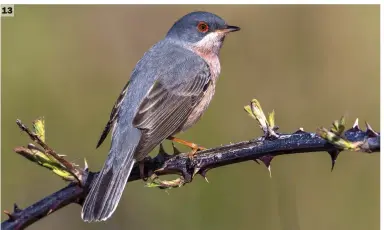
(107, 189)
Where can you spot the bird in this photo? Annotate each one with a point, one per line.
(169, 89)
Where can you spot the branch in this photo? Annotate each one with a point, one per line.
(262, 149)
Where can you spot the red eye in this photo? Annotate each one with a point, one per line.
(202, 27)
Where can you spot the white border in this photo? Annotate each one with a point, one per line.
(381, 113)
(203, 2)
(245, 2)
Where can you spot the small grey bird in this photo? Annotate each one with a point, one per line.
(169, 90)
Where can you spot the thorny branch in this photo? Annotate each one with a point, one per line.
(262, 149)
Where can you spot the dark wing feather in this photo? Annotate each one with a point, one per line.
(113, 116)
(168, 104)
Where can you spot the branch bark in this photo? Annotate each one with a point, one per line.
(262, 149)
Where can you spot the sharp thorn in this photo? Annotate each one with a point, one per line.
(356, 124)
(162, 153)
(255, 160)
(10, 216)
(300, 130)
(333, 165)
(161, 149)
(49, 212)
(85, 165)
(266, 160)
(196, 170)
(370, 131)
(16, 208)
(203, 174)
(334, 154)
(175, 150)
(368, 126)
(270, 171)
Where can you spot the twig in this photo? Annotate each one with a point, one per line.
(75, 171)
(264, 149)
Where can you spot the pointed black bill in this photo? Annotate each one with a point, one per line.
(228, 29)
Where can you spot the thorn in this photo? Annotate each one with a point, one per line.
(356, 125)
(334, 154)
(267, 162)
(368, 126)
(49, 212)
(196, 170)
(161, 149)
(175, 150)
(162, 153)
(270, 171)
(300, 130)
(255, 160)
(370, 131)
(61, 155)
(85, 164)
(203, 173)
(10, 216)
(16, 208)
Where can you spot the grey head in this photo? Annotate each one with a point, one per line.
(199, 30)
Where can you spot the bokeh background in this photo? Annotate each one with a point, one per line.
(311, 64)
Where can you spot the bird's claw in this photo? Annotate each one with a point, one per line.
(194, 151)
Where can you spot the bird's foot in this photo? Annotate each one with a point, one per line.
(193, 152)
(195, 148)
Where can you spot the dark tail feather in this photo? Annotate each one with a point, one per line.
(106, 192)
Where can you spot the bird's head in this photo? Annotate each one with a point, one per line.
(201, 31)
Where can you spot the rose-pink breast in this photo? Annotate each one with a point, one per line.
(214, 65)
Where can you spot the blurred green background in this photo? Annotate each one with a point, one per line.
(311, 64)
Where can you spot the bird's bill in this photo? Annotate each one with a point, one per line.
(228, 29)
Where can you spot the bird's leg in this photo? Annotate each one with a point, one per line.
(191, 145)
